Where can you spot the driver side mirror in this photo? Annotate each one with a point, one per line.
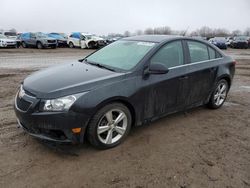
(156, 68)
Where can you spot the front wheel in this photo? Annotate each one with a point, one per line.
(39, 45)
(219, 94)
(109, 126)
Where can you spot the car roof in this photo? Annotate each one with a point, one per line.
(153, 38)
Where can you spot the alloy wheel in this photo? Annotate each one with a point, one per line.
(112, 126)
(220, 94)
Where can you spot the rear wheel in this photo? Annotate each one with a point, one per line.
(219, 94)
(109, 126)
(71, 45)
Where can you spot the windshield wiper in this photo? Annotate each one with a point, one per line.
(99, 65)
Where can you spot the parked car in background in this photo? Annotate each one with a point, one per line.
(229, 40)
(128, 83)
(10, 34)
(220, 42)
(39, 40)
(112, 39)
(84, 40)
(248, 42)
(240, 42)
(6, 42)
(61, 40)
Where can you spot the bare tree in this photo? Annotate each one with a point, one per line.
(205, 32)
(236, 33)
(127, 34)
(139, 32)
(220, 32)
(149, 31)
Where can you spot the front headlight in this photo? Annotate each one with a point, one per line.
(60, 104)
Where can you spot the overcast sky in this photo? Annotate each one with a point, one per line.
(116, 16)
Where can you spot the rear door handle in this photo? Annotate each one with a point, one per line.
(213, 69)
(183, 77)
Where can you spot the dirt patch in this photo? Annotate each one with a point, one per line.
(201, 148)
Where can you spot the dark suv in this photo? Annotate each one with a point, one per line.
(39, 40)
(240, 42)
(133, 81)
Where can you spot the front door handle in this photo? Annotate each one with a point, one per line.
(183, 77)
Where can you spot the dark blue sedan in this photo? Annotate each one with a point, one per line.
(220, 42)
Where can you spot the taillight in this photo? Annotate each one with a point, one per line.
(234, 62)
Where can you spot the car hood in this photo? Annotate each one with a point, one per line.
(96, 38)
(47, 38)
(67, 79)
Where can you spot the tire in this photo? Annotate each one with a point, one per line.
(24, 45)
(54, 47)
(71, 45)
(110, 133)
(39, 45)
(219, 94)
(91, 45)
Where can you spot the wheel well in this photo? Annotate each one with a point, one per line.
(124, 102)
(227, 79)
(92, 42)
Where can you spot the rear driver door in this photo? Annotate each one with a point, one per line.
(201, 72)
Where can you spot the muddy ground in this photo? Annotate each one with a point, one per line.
(200, 148)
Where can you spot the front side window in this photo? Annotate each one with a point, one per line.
(198, 51)
(170, 55)
(122, 54)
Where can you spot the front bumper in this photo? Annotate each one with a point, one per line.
(61, 43)
(7, 45)
(51, 126)
(50, 45)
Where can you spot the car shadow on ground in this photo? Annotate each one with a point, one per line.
(76, 150)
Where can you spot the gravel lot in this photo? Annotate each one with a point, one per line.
(199, 148)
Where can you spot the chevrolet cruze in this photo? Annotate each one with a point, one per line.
(130, 82)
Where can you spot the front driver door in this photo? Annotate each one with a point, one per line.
(165, 92)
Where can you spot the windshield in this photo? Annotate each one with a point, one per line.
(89, 36)
(56, 35)
(2, 36)
(121, 54)
(41, 35)
(241, 38)
(10, 34)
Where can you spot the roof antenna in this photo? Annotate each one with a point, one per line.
(185, 32)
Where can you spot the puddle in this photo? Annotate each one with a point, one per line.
(245, 87)
(230, 104)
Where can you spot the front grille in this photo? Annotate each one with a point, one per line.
(22, 104)
(51, 41)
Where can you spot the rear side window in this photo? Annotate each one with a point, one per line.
(212, 53)
(25, 36)
(198, 51)
(170, 55)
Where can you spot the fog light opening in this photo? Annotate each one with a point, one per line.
(76, 130)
